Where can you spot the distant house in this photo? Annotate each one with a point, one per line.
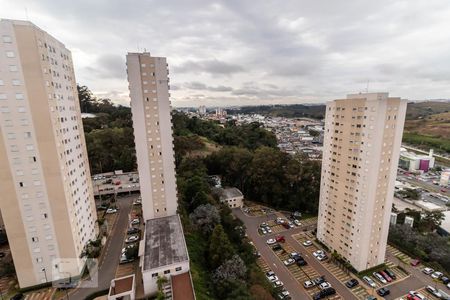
(231, 196)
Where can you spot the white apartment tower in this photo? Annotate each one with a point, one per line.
(46, 197)
(360, 156)
(150, 106)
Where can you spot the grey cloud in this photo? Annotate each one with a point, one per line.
(213, 66)
(109, 66)
(201, 86)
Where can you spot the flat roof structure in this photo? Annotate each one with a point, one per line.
(182, 287)
(164, 242)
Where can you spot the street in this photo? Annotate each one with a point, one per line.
(112, 249)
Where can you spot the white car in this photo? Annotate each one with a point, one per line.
(271, 241)
(111, 211)
(308, 284)
(131, 239)
(437, 275)
(434, 291)
(418, 295)
(135, 222)
(369, 281)
(128, 247)
(324, 285)
(428, 271)
(318, 253)
(273, 278)
(268, 230)
(293, 254)
(289, 262)
(263, 231)
(277, 284)
(379, 277)
(307, 243)
(297, 222)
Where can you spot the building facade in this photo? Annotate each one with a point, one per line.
(152, 124)
(47, 200)
(362, 141)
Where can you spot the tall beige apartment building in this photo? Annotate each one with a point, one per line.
(362, 142)
(150, 105)
(46, 196)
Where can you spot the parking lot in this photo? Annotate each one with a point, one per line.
(294, 276)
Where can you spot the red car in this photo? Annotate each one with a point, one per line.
(444, 190)
(280, 239)
(386, 276)
(415, 262)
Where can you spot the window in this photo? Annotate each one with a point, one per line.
(4, 109)
(35, 239)
(2, 96)
(27, 135)
(1, 82)
(10, 54)
(21, 109)
(178, 269)
(30, 147)
(16, 82)
(11, 135)
(7, 39)
(13, 68)
(154, 275)
(167, 272)
(19, 96)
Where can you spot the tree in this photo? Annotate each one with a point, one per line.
(430, 221)
(205, 218)
(232, 269)
(220, 248)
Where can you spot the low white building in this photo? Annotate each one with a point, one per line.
(164, 251)
(233, 197)
(123, 288)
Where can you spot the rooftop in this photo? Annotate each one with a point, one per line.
(227, 193)
(182, 287)
(122, 285)
(164, 242)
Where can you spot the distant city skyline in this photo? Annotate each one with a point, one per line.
(239, 53)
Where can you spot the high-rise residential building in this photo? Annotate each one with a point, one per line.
(152, 124)
(47, 200)
(202, 110)
(164, 248)
(362, 141)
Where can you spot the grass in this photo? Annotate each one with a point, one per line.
(437, 143)
(196, 245)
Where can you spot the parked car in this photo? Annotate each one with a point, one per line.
(445, 280)
(415, 295)
(273, 278)
(352, 283)
(293, 255)
(124, 249)
(135, 222)
(264, 224)
(319, 280)
(369, 281)
(277, 247)
(111, 210)
(125, 260)
(318, 253)
(390, 273)
(291, 225)
(283, 295)
(308, 284)
(379, 277)
(263, 231)
(280, 239)
(271, 241)
(383, 292)
(415, 262)
(371, 298)
(324, 285)
(297, 222)
(133, 230)
(322, 257)
(289, 261)
(427, 271)
(434, 291)
(386, 276)
(285, 225)
(132, 239)
(301, 262)
(324, 293)
(307, 243)
(437, 275)
(268, 229)
(278, 284)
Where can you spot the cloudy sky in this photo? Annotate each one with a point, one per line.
(240, 52)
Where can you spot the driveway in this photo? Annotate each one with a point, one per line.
(110, 259)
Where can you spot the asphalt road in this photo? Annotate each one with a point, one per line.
(113, 246)
(290, 283)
